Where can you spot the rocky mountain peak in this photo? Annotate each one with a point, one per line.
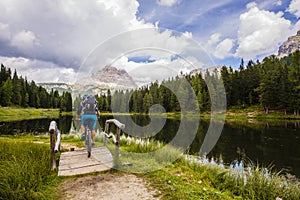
(203, 72)
(289, 46)
(115, 78)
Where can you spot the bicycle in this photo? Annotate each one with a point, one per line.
(88, 137)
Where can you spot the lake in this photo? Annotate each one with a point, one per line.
(264, 142)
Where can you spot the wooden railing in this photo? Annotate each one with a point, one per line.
(120, 127)
(55, 139)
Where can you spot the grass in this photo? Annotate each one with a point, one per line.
(13, 114)
(181, 181)
(191, 177)
(257, 113)
(191, 180)
(25, 171)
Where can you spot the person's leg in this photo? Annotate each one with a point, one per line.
(83, 118)
(93, 128)
(82, 129)
(93, 136)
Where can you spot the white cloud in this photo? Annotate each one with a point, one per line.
(160, 69)
(269, 4)
(260, 32)
(251, 5)
(61, 34)
(223, 49)
(214, 39)
(294, 8)
(66, 30)
(277, 3)
(218, 47)
(24, 40)
(168, 2)
(4, 32)
(188, 34)
(39, 71)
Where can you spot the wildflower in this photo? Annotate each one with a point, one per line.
(266, 174)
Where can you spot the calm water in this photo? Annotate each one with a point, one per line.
(264, 143)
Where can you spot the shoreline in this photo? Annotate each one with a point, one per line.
(251, 115)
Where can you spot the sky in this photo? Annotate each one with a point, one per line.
(54, 40)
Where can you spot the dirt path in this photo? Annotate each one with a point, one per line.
(108, 187)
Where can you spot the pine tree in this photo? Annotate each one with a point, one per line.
(147, 102)
(6, 91)
(269, 85)
(108, 99)
(17, 87)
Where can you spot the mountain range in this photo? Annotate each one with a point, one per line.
(112, 77)
(98, 83)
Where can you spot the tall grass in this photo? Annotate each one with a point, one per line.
(248, 181)
(237, 181)
(192, 177)
(138, 155)
(25, 171)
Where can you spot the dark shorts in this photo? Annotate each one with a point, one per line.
(93, 119)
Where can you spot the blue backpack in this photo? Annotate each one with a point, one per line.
(89, 105)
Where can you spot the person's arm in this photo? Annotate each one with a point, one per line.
(79, 109)
(97, 110)
(98, 114)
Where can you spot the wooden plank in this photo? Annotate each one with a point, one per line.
(92, 160)
(84, 163)
(76, 162)
(85, 170)
(75, 157)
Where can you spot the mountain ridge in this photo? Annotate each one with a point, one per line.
(112, 77)
(98, 83)
(289, 46)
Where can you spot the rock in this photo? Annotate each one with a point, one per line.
(289, 46)
(203, 72)
(113, 77)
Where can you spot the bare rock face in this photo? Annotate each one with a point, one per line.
(211, 70)
(114, 78)
(289, 46)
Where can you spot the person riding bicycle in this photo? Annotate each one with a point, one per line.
(88, 109)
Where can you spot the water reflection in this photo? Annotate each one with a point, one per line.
(35, 126)
(266, 143)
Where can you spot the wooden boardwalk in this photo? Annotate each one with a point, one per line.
(76, 162)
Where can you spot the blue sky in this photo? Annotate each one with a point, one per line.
(205, 18)
(51, 41)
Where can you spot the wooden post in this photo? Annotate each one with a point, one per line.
(54, 142)
(119, 126)
(118, 144)
(52, 152)
(106, 131)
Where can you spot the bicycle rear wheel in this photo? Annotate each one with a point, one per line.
(88, 142)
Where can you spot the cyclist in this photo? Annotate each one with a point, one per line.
(88, 109)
